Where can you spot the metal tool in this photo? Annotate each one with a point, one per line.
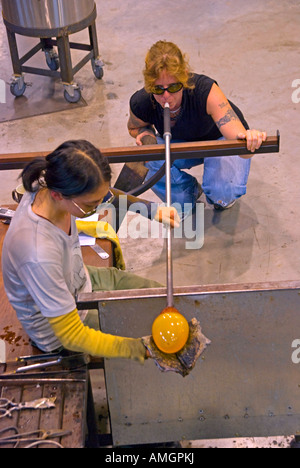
(34, 436)
(99, 251)
(26, 359)
(2, 352)
(73, 361)
(167, 138)
(6, 214)
(41, 365)
(7, 407)
(38, 357)
(33, 379)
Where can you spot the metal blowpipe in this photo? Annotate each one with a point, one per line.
(167, 138)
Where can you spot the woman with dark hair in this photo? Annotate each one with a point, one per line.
(42, 264)
(199, 111)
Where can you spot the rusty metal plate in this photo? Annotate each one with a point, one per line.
(246, 383)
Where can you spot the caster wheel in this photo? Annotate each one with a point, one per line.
(98, 72)
(52, 59)
(53, 62)
(97, 66)
(16, 90)
(75, 98)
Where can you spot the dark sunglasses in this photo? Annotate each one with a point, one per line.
(172, 88)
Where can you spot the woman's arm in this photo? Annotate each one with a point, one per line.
(74, 336)
(229, 123)
(142, 131)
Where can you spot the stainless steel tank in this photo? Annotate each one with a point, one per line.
(46, 14)
(48, 19)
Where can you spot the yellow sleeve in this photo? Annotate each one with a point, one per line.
(74, 336)
(87, 227)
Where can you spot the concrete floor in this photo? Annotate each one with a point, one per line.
(252, 49)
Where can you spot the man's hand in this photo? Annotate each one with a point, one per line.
(168, 216)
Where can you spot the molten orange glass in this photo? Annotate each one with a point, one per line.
(170, 331)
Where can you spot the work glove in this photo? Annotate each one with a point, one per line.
(103, 230)
(168, 216)
(185, 360)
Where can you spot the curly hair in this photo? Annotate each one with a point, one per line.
(166, 56)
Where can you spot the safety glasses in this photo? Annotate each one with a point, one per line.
(172, 88)
(109, 198)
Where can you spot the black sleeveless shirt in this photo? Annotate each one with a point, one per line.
(193, 123)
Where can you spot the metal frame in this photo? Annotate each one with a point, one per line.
(63, 44)
(244, 385)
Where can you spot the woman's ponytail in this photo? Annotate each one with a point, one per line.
(74, 168)
(32, 174)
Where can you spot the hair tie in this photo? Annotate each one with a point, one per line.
(41, 180)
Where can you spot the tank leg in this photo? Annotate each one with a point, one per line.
(17, 85)
(65, 59)
(72, 91)
(94, 39)
(97, 63)
(13, 46)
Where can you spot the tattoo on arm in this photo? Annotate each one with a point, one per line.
(135, 123)
(137, 126)
(228, 117)
(147, 128)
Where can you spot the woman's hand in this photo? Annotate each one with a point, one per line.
(168, 216)
(254, 139)
(143, 132)
(146, 138)
(229, 124)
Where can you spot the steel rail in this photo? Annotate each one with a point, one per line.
(191, 150)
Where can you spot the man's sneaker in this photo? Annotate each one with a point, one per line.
(219, 207)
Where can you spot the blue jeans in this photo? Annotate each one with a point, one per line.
(224, 179)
